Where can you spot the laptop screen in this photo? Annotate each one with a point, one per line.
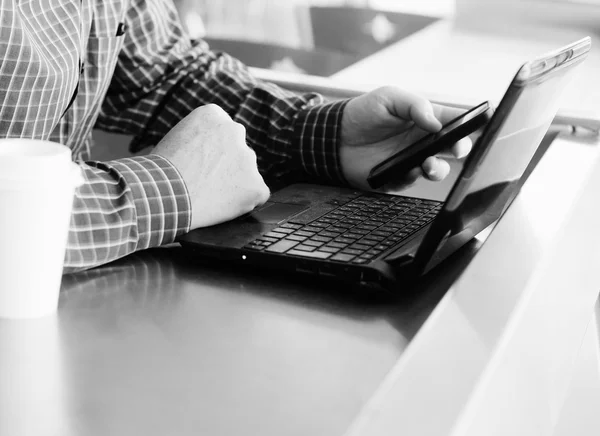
(490, 178)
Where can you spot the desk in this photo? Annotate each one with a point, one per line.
(155, 344)
(159, 344)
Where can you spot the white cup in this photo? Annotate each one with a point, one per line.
(37, 184)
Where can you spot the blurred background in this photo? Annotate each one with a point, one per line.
(321, 37)
(318, 37)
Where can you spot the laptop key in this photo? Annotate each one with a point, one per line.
(361, 247)
(311, 254)
(381, 233)
(400, 221)
(281, 246)
(367, 227)
(303, 247)
(344, 240)
(340, 257)
(255, 247)
(329, 234)
(275, 235)
(396, 226)
(313, 243)
(283, 230)
(329, 249)
(327, 220)
(296, 238)
(266, 239)
(372, 237)
(366, 242)
(291, 226)
(304, 233)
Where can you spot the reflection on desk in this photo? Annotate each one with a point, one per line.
(157, 343)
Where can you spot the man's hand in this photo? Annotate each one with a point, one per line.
(382, 122)
(219, 169)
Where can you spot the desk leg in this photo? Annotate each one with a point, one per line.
(580, 415)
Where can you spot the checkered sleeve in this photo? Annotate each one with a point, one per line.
(316, 134)
(161, 76)
(124, 206)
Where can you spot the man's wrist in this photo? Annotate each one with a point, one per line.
(317, 136)
(160, 196)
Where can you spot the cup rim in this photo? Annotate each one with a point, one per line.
(26, 148)
(72, 176)
(25, 161)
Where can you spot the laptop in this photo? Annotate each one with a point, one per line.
(385, 241)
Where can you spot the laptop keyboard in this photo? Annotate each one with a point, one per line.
(356, 232)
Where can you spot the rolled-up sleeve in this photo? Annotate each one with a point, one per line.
(124, 206)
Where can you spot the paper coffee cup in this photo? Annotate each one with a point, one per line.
(34, 383)
(37, 184)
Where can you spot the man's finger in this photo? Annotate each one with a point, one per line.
(446, 113)
(407, 106)
(435, 169)
(462, 148)
(458, 150)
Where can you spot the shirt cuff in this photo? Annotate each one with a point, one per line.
(160, 196)
(317, 131)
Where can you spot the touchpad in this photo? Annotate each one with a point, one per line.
(276, 212)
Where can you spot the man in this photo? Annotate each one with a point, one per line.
(220, 136)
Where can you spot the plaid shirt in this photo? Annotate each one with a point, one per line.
(127, 66)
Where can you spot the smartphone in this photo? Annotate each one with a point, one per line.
(414, 155)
